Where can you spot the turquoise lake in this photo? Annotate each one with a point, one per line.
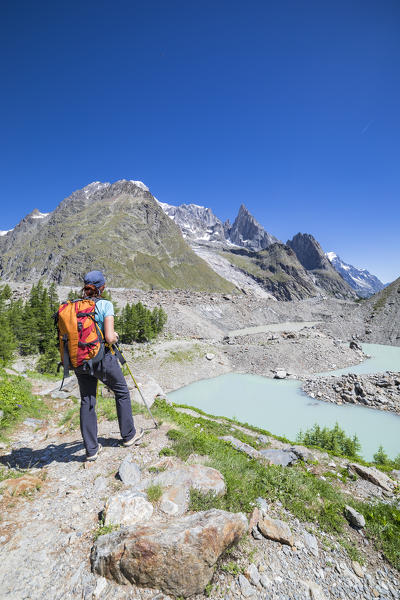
(280, 406)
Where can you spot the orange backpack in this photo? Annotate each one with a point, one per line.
(81, 340)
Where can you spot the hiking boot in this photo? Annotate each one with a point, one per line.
(94, 456)
(135, 440)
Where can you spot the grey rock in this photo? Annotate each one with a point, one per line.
(100, 485)
(205, 479)
(242, 446)
(263, 505)
(280, 374)
(175, 501)
(30, 422)
(255, 532)
(177, 557)
(376, 477)
(252, 574)
(1, 414)
(315, 591)
(265, 581)
(60, 394)
(127, 508)
(101, 585)
(245, 586)
(129, 471)
(395, 474)
(277, 530)
(303, 453)
(310, 541)
(355, 518)
(279, 457)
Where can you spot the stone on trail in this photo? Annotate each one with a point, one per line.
(252, 574)
(277, 530)
(177, 557)
(310, 541)
(129, 471)
(149, 388)
(210, 356)
(245, 586)
(284, 458)
(374, 476)
(355, 518)
(315, 591)
(357, 568)
(127, 508)
(204, 479)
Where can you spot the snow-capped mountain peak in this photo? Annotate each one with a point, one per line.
(363, 282)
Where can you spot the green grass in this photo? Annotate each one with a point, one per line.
(154, 492)
(103, 530)
(305, 496)
(383, 526)
(182, 356)
(11, 473)
(17, 402)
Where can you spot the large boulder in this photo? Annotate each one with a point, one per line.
(177, 557)
(374, 476)
(149, 388)
(284, 458)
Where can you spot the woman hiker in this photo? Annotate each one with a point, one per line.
(108, 370)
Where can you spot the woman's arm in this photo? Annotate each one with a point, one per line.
(109, 333)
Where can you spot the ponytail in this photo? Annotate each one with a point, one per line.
(90, 291)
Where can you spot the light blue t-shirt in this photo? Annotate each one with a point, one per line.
(104, 308)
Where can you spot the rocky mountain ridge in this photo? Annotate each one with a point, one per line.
(118, 228)
(361, 280)
(147, 250)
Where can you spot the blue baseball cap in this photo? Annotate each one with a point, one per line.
(95, 278)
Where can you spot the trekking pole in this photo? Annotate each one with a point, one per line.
(123, 361)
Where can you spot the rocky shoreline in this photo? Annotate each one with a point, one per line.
(380, 391)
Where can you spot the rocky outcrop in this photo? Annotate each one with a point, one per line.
(197, 223)
(247, 232)
(382, 316)
(314, 260)
(374, 476)
(176, 557)
(276, 269)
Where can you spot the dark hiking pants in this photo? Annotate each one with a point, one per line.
(109, 372)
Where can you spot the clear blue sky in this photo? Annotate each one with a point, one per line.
(290, 107)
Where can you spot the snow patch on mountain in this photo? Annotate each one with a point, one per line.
(5, 232)
(140, 185)
(39, 215)
(361, 280)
